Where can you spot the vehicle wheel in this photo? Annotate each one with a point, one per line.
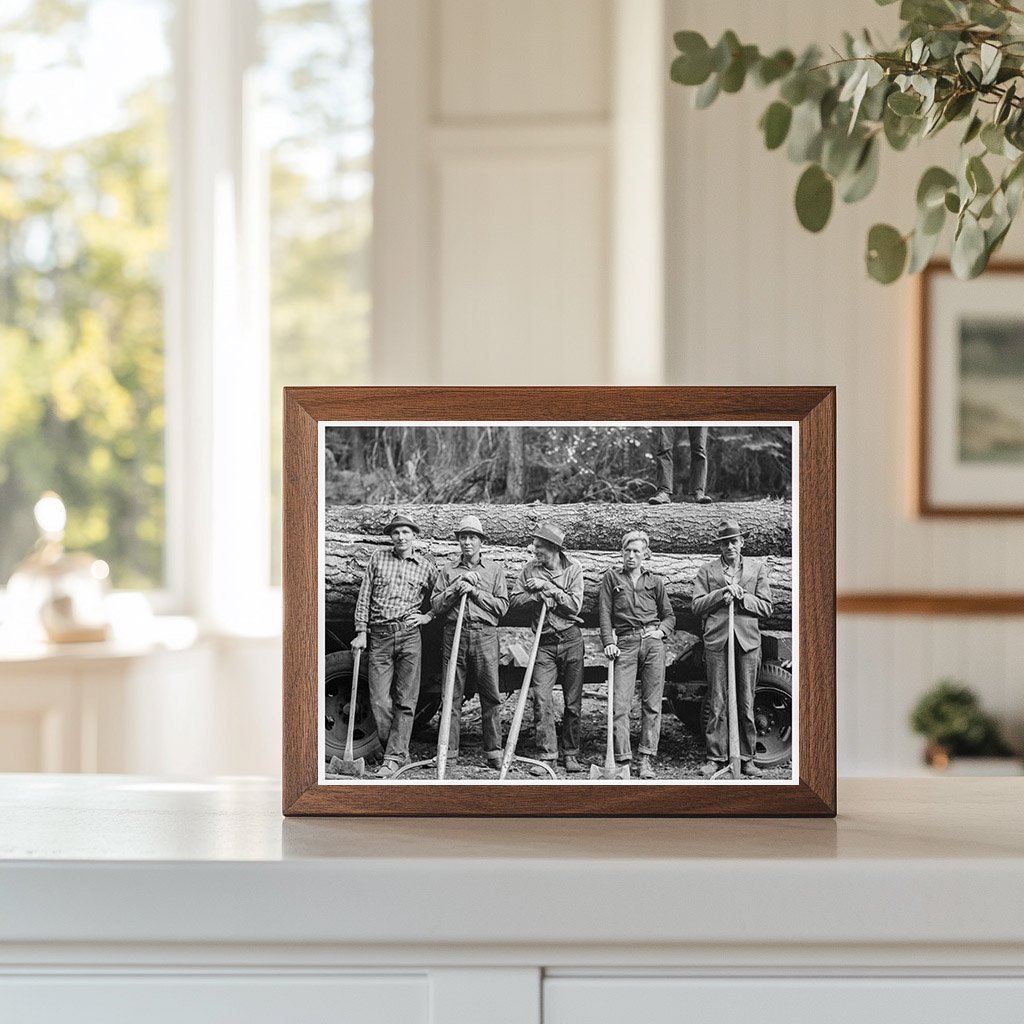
(338, 690)
(773, 715)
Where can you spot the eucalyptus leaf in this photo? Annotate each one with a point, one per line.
(993, 138)
(775, 123)
(771, 69)
(991, 59)
(1004, 106)
(707, 93)
(805, 133)
(987, 15)
(972, 131)
(794, 88)
(693, 65)
(968, 246)
(814, 194)
(886, 253)
(978, 175)
(922, 248)
(931, 190)
(865, 174)
(903, 103)
(952, 202)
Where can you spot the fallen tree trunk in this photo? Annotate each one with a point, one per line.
(676, 528)
(346, 558)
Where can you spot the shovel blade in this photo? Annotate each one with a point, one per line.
(619, 771)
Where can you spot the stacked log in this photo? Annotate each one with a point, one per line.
(686, 534)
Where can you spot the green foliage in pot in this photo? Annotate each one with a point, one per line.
(957, 61)
(950, 717)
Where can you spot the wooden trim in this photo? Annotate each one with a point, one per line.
(922, 503)
(926, 603)
(812, 408)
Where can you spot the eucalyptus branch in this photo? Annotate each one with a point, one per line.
(834, 116)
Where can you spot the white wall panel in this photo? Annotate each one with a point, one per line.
(752, 298)
(530, 58)
(520, 287)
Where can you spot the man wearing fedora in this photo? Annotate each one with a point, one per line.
(741, 582)
(483, 582)
(390, 609)
(636, 619)
(551, 578)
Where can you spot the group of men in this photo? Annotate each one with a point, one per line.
(403, 590)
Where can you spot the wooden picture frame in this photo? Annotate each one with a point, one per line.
(962, 414)
(810, 411)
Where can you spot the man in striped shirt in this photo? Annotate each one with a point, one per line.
(390, 609)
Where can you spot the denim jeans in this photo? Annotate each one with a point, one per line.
(717, 729)
(664, 444)
(559, 658)
(644, 656)
(394, 685)
(478, 653)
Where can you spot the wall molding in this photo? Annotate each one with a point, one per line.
(928, 603)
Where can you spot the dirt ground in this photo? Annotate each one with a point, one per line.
(680, 754)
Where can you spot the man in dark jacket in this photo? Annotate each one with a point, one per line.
(742, 583)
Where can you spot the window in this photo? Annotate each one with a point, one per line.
(317, 117)
(83, 237)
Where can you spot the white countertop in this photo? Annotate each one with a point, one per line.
(125, 859)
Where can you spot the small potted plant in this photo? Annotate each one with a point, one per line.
(950, 717)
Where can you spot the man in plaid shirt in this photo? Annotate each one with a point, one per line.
(395, 591)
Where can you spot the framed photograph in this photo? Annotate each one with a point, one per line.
(559, 601)
(970, 451)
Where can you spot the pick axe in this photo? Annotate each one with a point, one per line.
(444, 728)
(611, 770)
(517, 719)
(733, 767)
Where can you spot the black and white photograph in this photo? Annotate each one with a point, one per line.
(558, 603)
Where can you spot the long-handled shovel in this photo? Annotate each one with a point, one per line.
(611, 770)
(444, 727)
(517, 719)
(733, 767)
(347, 765)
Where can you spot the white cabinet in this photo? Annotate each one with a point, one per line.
(132, 898)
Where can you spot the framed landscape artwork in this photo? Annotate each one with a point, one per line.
(559, 601)
(970, 451)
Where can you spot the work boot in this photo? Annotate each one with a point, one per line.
(494, 761)
(751, 770)
(661, 498)
(572, 764)
(708, 768)
(388, 768)
(701, 498)
(646, 768)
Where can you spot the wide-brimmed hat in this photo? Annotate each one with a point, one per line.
(400, 520)
(552, 534)
(728, 529)
(471, 524)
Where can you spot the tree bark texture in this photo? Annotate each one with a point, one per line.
(673, 528)
(346, 557)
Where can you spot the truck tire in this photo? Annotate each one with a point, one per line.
(337, 686)
(773, 715)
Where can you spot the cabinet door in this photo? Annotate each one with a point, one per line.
(206, 999)
(569, 1000)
